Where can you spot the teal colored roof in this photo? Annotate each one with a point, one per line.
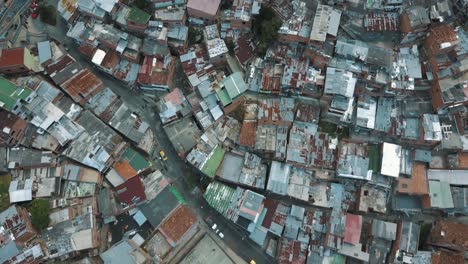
(213, 162)
(224, 96)
(137, 161)
(337, 259)
(219, 196)
(169, 3)
(138, 16)
(10, 93)
(441, 195)
(235, 85)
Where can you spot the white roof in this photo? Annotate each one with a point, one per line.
(432, 129)
(114, 178)
(139, 240)
(216, 47)
(216, 112)
(326, 21)
(340, 82)
(20, 193)
(391, 160)
(98, 57)
(106, 5)
(366, 109)
(82, 240)
(335, 18)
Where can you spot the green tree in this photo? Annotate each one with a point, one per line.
(48, 14)
(230, 45)
(265, 27)
(195, 36)
(267, 13)
(143, 4)
(39, 214)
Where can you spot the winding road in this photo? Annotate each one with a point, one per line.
(176, 169)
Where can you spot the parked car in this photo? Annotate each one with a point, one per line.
(221, 235)
(214, 226)
(162, 154)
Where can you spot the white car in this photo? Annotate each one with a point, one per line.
(221, 235)
(214, 226)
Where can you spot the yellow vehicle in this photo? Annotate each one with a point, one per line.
(162, 155)
(252, 262)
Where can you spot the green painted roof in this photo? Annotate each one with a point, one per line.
(10, 94)
(235, 85)
(137, 161)
(138, 16)
(337, 259)
(213, 162)
(224, 96)
(177, 194)
(374, 158)
(219, 196)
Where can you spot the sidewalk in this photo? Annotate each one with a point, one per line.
(176, 255)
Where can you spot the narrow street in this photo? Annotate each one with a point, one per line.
(177, 170)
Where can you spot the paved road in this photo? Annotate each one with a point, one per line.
(177, 170)
(15, 8)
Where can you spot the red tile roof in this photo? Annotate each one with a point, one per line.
(450, 235)
(443, 33)
(12, 127)
(463, 160)
(417, 184)
(110, 60)
(60, 64)
(12, 57)
(178, 224)
(83, 85)
(125, 170)
(271, 206)
(353, 229)
(87, 50)
(292, 252)
(444, 257)
(244, 50)
(175, 97)
(131, 190)
(247, 134)
(152, 72)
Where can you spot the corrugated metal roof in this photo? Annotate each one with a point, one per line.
(219, 196)
(340, 82)
(384, 230)
(453, 177)
(119, 253)
(409, 237)
(235, 85)
(278, 180)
